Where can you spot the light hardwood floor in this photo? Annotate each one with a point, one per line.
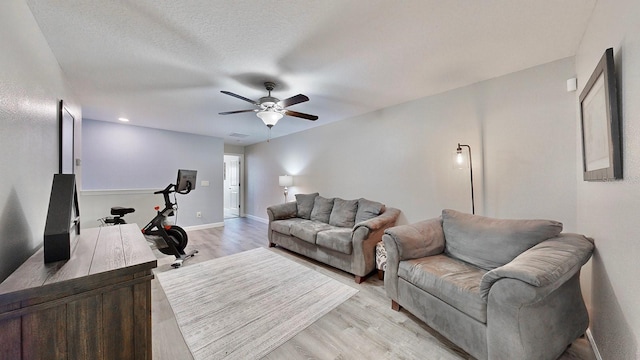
(363, 327)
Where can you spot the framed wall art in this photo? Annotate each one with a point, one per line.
(601, 132)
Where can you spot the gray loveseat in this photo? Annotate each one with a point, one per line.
(499, 289)
(337, 232)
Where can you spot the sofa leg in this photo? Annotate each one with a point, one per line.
(272, 244)
(380, 274)
(395, 306)
(360, 279)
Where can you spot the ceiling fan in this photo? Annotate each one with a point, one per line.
(271, 109)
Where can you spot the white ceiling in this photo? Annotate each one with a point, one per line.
(162, 63)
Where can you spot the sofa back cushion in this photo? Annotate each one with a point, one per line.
(343, 213)
(368, 209)
(305, 204)
(490, 243)
(322, 209)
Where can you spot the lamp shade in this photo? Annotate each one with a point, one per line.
(285, 180)
(269, 118)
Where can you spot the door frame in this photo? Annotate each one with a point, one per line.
(241, 212)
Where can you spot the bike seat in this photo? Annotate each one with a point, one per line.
(121, 211)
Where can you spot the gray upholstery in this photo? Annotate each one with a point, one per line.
(453, 281)
(418, 240)
(305, 205)
(308, 230)
(349, 248)
(367, 209)
(529, 308)
(343, 213)
(284, 226)
(286, 211)
(338, 239)
(321, 209)
(551, 262)
(489, 243)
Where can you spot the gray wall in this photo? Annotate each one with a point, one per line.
(521, 128)
(120, 158)
(609, 211)
(233, 149)
(31, 84)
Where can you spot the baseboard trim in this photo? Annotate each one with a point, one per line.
(592, 342)
(204, 226)
(252, 217)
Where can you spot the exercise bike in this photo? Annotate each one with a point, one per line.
(174, 238)
(118, 213)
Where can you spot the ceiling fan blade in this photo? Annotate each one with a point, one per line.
(239, 97)
(301, 115)
(235, 112)
(293, 100)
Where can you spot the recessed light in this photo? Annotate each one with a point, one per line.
(123, 119)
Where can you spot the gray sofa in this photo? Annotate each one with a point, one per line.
(499, 289)
(337, 232)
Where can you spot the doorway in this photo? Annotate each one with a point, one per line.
(231, 183)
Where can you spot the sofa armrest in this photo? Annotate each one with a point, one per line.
(282, 211)
(364, 237)
(412, 241)
(424, 238)
(386, 219)
(545, 266)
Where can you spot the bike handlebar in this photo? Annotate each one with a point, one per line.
(166, 190)
(171, 188)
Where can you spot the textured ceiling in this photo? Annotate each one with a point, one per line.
(162, 63)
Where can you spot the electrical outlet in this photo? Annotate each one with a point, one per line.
(199, 214)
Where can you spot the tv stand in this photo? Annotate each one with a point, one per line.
(96, 305)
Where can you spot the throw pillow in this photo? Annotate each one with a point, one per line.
(367, 210)
(305, 204)
(322, 209)
(490, 243)
(343, 213)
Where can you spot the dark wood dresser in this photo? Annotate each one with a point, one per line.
(96, 305)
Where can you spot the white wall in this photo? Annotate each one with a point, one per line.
(31, 84)
(233, 149)
(609, 211)
(126, 157)
(521, 128)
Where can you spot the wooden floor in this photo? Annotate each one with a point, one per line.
(363, 327)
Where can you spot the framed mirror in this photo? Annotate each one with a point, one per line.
(601, 133)
(66, 135)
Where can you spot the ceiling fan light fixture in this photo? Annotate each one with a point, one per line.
(269, 117)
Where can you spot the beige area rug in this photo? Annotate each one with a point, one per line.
(245, 305)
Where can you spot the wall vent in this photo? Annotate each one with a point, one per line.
(240, 136)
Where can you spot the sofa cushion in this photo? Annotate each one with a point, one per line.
(338, 239)
(343, 213)
(490, 243)
(452, 281)
(307, 230)
(321, 209)
(367, 210)
(284, 226)
(305, 204)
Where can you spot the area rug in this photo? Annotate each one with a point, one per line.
(245, 305)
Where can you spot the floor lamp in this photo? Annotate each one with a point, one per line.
(460, 163)
(286, 181)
